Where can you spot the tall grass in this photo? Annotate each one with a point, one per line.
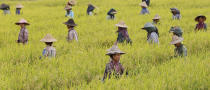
(81, 65)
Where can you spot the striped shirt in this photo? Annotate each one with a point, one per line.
(201, 26)
(23, 36)
(112, 68)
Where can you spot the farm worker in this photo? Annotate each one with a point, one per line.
(144, 8)
(111, 14)
(72, 34)
(18, 9)
(71, 3)
(69, 12)
(152, 33)
(23, 35)
(147, 2)
(123, 33)
(90, 9)
(180, 49)
(201, 25)
(114, 67)
(5, 8)
(156, 20)
(49, 51)
(176, 31)
(176, 13)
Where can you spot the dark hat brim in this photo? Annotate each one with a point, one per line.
(2, 6)
(70, 24)
(156, 19)
(114, 53)
(201, 16)
(173, 8)
(145, 28)
(22, 23)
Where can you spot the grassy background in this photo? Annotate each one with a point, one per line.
(81, 65)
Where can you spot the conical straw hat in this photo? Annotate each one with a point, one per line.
(176, 39)
(71, 2)
(22, 21)
(143, 4)
(19, 6)
(121, 24)
(48, 38)
(156, 17)
(114, 50)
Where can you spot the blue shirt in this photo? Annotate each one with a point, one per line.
(144, 11)
(18, 11)
(70, 14)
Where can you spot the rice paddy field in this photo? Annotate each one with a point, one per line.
(80, 66)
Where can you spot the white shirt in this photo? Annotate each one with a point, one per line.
(72, 34)
(153, 38)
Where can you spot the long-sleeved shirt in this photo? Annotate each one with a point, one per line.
(144, 11)
(18, 11)
(153, 38)
(113, 68)
(201, 26)
(23, 36)
(72, 34)
(176, 16)
(122, 36)
(180, 51)
(6, 12)
(49, 51)
(70, 14)
(110, 14)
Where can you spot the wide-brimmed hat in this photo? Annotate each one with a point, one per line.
(4, 6)
(176, 39)
(48, 38)
(71, 2)
(148, 25)
(22, 21)
(121, 24)
(68, 7)
(112, 11)
(173, 9)
(114, 50)
(90, 4)
(19, 6)
(70, 22)
(200, 16)
(143, 4)
(156, 17)
(176, 30)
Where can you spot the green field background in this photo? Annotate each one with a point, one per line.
(80, 66)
